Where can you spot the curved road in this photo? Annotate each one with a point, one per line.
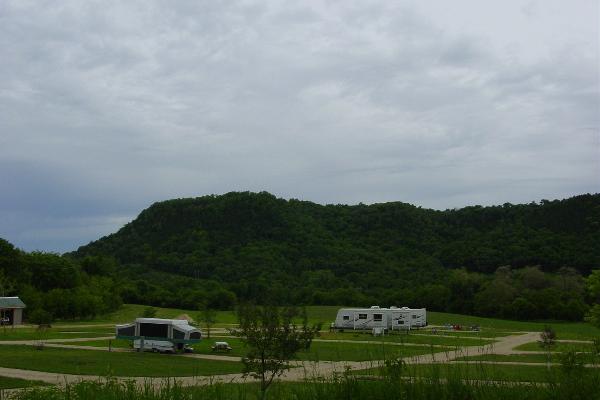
(302, 370)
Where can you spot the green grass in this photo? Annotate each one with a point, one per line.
(346, 387)
(13, 383)
(559, 346)
(528, 358)
(335, 351)
(52, 333)
(487, 372)
(325, 351)
(436, 387)
(129, 312)
(114, 343)
(484, 333)
(203, 347)
(88, 362)
(404, 338)
(564, 330)
(490, 327)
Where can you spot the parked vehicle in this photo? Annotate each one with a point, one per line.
(160, 335)
(392, 318)
(221, 346)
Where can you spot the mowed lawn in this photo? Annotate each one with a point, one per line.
(557, 347)
(336, 351)
(451, 341)
(484, 372)
(129, 312)
(490, 327)
(587, 358)
(103, 363)
(319, 350)
(52, 333)
(14, 383)
(564, 330)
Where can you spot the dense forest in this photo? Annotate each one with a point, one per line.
(54, 286)
(530, 258)
(514, 261)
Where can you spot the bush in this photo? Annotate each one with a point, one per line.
(149, 312)
(40, 317)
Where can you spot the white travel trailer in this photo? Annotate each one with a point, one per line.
(407, 318)
(362, 318)
(160, 335)
(392, 318)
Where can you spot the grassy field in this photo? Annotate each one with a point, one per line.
(345, 388)
(333, 351)
(490, 327)
(484, 333)
(404, 338)
(529, 358)
(52, 333)
(560, 347)
(13, 383)
(114, 343)
(87, 362)
(486, 372)
(564, 330)
(128, 312)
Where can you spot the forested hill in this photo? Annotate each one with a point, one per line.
(512, 261)
(243, 235)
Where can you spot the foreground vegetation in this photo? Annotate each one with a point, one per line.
(455, 385)
(103, 363)
(13, 383)
(588, 358)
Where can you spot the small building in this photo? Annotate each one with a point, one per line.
(11, 311)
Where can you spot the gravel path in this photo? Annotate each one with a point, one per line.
(301, 371)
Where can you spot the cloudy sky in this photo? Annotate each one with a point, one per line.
(109, 106)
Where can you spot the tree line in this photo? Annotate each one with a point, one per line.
(512, 261)
(57, 287)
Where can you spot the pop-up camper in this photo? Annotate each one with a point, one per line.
(161, 335)
(392, 318)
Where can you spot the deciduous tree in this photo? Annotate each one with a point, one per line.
(273, 338)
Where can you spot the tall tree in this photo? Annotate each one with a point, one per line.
(273, 338)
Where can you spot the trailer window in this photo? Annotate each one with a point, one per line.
(362, 316)
(127, 331)
(177, 334)
(346, 318)
(154, 330)
(195, 335)
(377, 317)
(400, 322)
(414, 316)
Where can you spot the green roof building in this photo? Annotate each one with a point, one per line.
(11, 311)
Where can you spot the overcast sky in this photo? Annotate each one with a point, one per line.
(109, 106)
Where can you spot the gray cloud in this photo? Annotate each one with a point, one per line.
(107, 107)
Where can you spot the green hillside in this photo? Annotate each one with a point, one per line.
(254, 246)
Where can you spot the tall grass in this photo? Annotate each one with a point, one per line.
(570, 382)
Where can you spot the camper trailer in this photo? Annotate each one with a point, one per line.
(392, 318)
(405, 318)
(160, 335)
(362, 318)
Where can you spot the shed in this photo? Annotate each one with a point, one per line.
(11, 311)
